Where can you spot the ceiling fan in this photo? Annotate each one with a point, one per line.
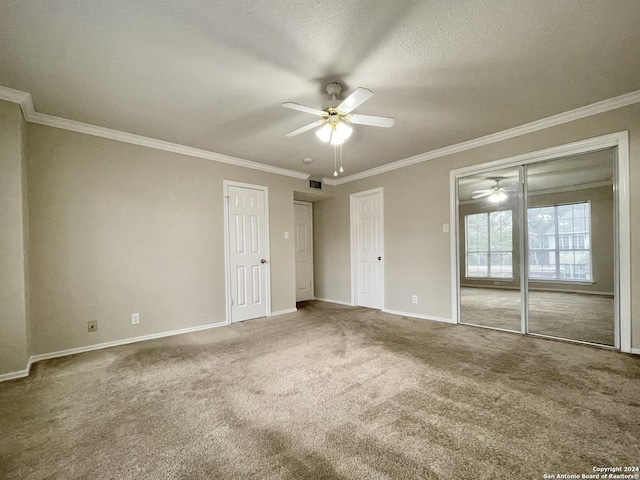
(495, 193)
(336, 115)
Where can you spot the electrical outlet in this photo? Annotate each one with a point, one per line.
(414, 298)
(135, 318)
(92, 326)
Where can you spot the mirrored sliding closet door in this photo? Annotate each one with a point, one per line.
(537, 248)
(489, 220)
(571, 238)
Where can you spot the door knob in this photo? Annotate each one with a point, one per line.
(379, 258)
(262, 260)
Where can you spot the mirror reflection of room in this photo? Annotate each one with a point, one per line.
(488, 212)
(571, 247)
(568, 263)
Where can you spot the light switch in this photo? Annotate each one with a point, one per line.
(445, 228)
(286, 235)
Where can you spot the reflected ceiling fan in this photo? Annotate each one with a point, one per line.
(496, 193)
(336, 117)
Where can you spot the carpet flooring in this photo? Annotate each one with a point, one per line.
(328, 392)
(573, 316)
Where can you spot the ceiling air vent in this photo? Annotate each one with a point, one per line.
(317, 184)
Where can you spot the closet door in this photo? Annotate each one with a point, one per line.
(489, 211)
(571, 248)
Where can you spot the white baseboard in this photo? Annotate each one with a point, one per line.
(416, 315)
(72, 351)
(125, 341)
(283, 312)
(13, 375)
(338, 302)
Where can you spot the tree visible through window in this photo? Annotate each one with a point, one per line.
(489, 244)
(560, 242)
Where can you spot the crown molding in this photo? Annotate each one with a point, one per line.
(330, 181)
(72, 125)
(30, 115)
(21, 98)
(25, 101)
(565, 117)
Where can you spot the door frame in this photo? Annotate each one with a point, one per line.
(620, 140)
(313, 283)
(353, 198)
(227, 252)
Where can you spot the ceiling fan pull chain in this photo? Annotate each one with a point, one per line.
(341, 169)
(335, 161)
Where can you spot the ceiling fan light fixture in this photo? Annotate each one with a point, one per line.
(336, 118)
(498, 196)
(324, 133)
(341, 133)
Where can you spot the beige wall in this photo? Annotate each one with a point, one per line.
(14, 321)
(602, 241)
(118, 229)
(417, 204)
(115, 228)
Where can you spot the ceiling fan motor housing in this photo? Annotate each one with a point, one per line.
(334, 118)
(334, 88)
(330, 104)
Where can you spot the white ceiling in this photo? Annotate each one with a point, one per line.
(212, 75)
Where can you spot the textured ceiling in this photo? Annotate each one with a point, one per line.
(212, 75)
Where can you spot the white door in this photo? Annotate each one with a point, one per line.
(369, 242)
(304, 251)
(248, 252)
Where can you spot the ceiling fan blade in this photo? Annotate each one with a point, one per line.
(481, 195)
(483, 190)
(305, 128)
(358, 97)
(372, 120)
(302, 108)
